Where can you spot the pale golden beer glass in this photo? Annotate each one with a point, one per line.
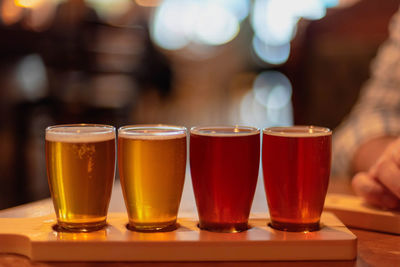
(152, 163)
(80, 161)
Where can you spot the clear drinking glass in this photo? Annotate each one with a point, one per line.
(152, 165)
(296, 166)
(224, 162)
(80, 161)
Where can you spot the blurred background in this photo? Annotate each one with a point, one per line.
(183, 62)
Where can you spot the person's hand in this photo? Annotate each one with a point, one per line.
(380, 185)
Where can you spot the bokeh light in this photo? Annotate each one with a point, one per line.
(109, 9)
(272, 21)
(10, 12)
(168, 24)
(42, 15)
(215, 25)
(177, 23)
(28, 3)
(269, 102)
(31, 77)
(272, 54)
(275, 24)
(272, 89)
(239, 8)
(309, 9)
(148, 3)
(330, 3)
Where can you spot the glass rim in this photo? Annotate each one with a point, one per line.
(298, 131)
(74, 133)
(105, 127)
(231, 130)
(153, 130)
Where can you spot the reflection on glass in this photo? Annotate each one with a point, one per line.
(95, 236)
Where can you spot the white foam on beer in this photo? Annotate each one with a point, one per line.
(225, 131)
(298, 131)
(78, 134)
(152, 134)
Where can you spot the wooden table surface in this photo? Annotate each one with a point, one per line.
(374, 248)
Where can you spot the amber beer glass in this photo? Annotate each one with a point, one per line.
(80, 161)
(152, 164)
(296, 165)
(224, 165)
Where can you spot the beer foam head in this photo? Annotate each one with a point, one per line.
(221, 131)
(298, 131)
(152, 132)
(80, 133)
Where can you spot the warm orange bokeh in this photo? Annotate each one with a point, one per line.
(149, 3)
(10, 12)
(28, 3)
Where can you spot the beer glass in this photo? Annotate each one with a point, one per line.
(224, 163)
(152, 165)
(296, 166)
(80, 161)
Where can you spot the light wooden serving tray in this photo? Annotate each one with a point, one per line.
(353, 211)
(34, 238)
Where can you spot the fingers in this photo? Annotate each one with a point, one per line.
(395, 155)
(373, 192)
(387, 172)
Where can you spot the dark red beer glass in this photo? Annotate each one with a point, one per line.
(224, 165)
(296, 166)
